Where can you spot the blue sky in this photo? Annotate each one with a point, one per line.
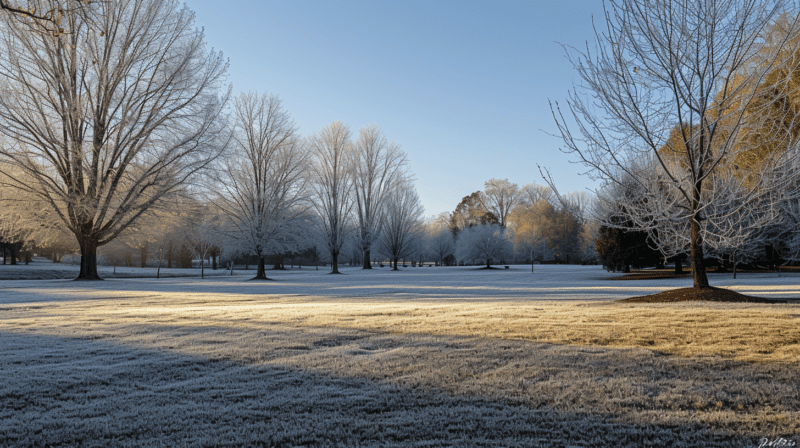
(461, 86)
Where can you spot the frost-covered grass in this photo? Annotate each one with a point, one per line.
(421, 357)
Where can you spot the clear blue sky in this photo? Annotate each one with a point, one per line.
(461, 86)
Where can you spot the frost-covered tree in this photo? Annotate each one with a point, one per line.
(499, 198)
(25, 219)
(688, 86)
(486, 242)
(402, 228)
(331, 182)
(532, 193)
(440, 241)
(261, 184)
(379, 167)
(203, 233)
(113, 116)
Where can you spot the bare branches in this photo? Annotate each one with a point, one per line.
(332, 185)
(261, 186)
(379, 168)
(680, 108)
(114, 116)
(45, 15)
(403, 223)
(499, 197)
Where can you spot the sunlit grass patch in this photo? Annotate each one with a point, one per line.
(744, 332)
(726, 368)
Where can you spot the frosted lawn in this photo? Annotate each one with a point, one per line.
(424, 356)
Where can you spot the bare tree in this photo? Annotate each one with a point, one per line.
(484, 242)
(403, 225)
(531, 193)
(261, 185)
(441, 243)
(379, 167)
(684, 84)
(499, 197)
(203, 234)
(332, 185)
(111, 118)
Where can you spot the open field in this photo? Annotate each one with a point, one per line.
(420, 357)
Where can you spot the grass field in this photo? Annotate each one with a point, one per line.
(421, 357)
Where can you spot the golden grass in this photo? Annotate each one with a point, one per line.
(769, 333)
(743, 332)
(478, 348)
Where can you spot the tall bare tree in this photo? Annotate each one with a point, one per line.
(332, 185)
(403, 227)
(678, 88)
(111, 117)
(499, 197)
(379, 167)
(485, 242)
(440, 241)
(261, 184)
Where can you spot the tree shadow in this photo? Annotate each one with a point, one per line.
(97, 391)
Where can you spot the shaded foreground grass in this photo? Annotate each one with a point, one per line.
(139, 397)
(592, 373)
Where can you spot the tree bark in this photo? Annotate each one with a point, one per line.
(367, 260)
(13, 248)
(261, 272)
(88, 259)
(698, 268)
(335, 263)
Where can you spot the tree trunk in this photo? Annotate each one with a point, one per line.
(143, 256)
(169, 255)
(698, 268)
(277, 264)
(213, 260)
(335, 263)
(367, 261)
(5, 251)
(261, 271)
(678, 266)
(185, 257)
(88, 259)
(13, 249)
(488, 265)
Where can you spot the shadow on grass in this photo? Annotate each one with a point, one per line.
(66, 391)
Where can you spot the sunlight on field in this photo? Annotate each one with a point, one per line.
(598, 358)
(744, 332)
